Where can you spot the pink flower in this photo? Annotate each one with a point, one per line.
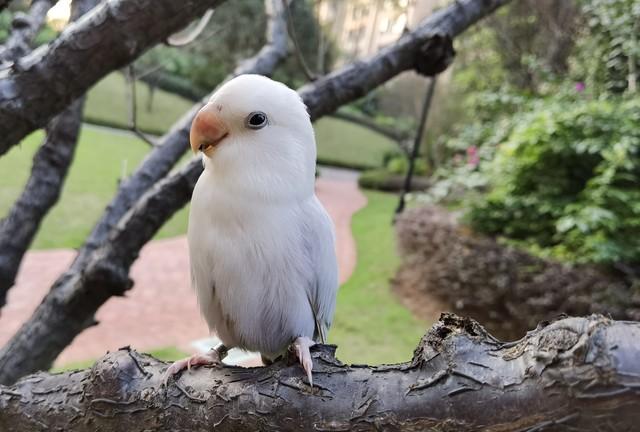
(580, 87)
(473, 159)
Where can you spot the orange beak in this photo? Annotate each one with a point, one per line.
(207, 130)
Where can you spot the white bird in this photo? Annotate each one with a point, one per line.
(261, 245)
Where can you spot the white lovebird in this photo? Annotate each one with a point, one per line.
(261, 245)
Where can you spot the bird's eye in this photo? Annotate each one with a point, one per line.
(257, 120)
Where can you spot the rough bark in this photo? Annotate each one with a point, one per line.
(574, 374)
(42, 84)
(505, 288)
(50, 164)
(70, 306)
(24, 28)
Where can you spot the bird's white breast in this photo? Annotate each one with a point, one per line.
(249, 268)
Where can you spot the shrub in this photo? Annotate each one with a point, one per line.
(567, 182)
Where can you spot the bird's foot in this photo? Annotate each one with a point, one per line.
(210, 358)
(301, 348)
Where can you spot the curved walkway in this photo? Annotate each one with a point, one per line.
(160, 310)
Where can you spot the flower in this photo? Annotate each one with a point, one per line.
(472, 156)
(580, 87)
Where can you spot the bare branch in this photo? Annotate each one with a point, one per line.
(574, 374)
(116, 32)
(294, 38)
(130, 76)
(24, 28)
(103, 270)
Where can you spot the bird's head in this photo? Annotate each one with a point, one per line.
(256, 137)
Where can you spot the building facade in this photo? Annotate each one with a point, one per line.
(361, 28)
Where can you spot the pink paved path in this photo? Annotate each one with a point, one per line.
(160, 310)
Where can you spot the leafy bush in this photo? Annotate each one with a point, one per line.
(383, 180)
(400, 165)
(567, 182)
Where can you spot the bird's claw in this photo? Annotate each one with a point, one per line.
(210, 358)
(301, 346)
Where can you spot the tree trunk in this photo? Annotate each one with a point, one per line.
(574, 374)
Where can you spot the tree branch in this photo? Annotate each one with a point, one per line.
(50, 166)
(132, 96)
(24, 28)
(413, 50)
(103, 271)
(574, 374)
(42, 84)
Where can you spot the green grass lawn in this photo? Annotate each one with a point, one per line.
(370, 325)
(107, 104)
(344, 144)
(102, 157)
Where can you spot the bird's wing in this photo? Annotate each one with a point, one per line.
(320, 248)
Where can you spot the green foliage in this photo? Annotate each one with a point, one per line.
(566, 181)
(400, 165)
(609, 53)
(107, 104)
(342, 143)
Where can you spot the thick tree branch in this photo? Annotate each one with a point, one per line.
(42, 84)
(24, 28)
(103, 272)
(574, 374)
(50, 166)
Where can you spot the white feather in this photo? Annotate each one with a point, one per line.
(260, 242)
